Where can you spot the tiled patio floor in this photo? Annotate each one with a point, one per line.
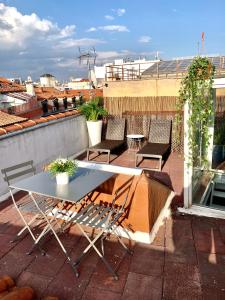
(186, 260)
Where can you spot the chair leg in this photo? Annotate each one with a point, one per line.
(88, 153)
(160, 164)
(136, 160)
(92, 245)
(108, 159)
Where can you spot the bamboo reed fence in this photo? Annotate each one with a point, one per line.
(139, 111)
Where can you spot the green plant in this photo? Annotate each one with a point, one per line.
(196, 90)
(61, 165)
(219, 135)
(93, 110)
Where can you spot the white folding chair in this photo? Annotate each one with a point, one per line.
(15, 173)
(105, 218)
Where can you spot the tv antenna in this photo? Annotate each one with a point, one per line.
(87, 56)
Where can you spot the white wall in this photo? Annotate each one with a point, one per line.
(63, 137)
(48, 81)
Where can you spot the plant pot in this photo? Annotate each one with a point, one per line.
(62, 178)
(218, 155)
(94, 132)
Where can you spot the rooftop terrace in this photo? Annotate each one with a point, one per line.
(185, 261)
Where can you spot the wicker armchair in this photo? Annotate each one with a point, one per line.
(158, 146)
(114, 138)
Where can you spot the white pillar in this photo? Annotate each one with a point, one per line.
(188, 169)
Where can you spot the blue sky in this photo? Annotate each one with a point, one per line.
(42, 36)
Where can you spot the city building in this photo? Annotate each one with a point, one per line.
(47, 80)
(79, 84)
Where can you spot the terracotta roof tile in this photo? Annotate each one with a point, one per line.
(51, 117)
(6, 119)
(41, 120)
(50, 93)
(2, 131)
(68, 113)
(60, 115)
(8, 86)
(29, 123)
(13, 127)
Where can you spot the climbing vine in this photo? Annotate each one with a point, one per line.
(196, 89)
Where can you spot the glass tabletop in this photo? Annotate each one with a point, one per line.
(81, 183)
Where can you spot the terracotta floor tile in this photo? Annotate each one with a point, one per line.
(67, 286)
(142, 287)
(181, 281)
(180, 250)
(147, 261)
(13, 264)
(210, 293)
(212, 270)
(48, 265)
(99, 294)
(102, 279)
(175, 228)
(5, 244)
(38, 283)
(160, 237)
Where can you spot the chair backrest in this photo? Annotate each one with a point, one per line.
(160, 131)
(17, 171)
(115, 129)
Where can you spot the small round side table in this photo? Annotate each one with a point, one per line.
(134, 141)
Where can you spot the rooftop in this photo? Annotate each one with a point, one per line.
(180, 66)
(7, 86)
(11, 123)
(6, 119)
(50, 93)
(185, 261)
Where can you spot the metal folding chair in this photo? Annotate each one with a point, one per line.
(51, 226)
(15, 173)
(106, 217)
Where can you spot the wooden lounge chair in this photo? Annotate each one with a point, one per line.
(114, 138)
(158, 145)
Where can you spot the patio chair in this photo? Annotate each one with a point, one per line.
(158, 146)
(15, 173)
(114, 138)
(106, 218)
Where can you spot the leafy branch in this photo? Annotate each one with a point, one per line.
(196, 89)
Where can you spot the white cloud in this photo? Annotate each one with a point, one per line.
(119, 28)
(67, 31)
(119, 12)
(17, 29)
(109, 17)
(144, 39)
(91, 29)
(174, 10)
(69, 43)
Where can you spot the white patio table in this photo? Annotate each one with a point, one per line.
(81, 184)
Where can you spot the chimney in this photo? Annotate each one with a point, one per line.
(30, 88)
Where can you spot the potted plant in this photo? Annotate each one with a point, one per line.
(94, 112)
(62, 168)
(219, 146)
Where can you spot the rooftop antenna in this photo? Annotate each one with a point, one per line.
(203, 42)
(89, 58)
